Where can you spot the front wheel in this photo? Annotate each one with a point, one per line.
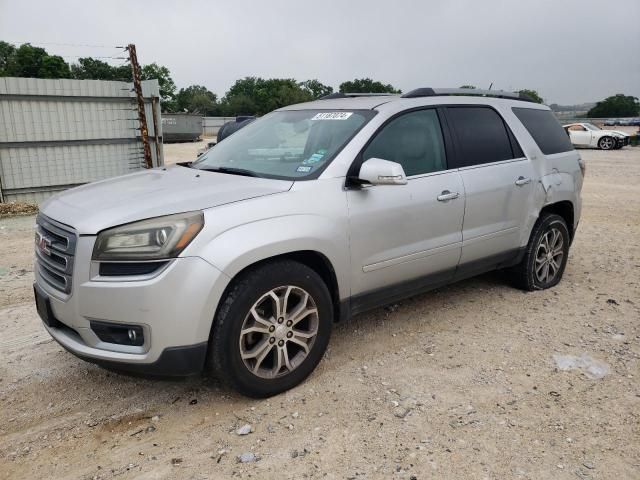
(546, 255)
(606, 143)
(271, 329)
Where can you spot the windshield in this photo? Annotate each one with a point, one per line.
(591, 126)
(291, 144)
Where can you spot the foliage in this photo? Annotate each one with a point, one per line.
(257, 96)
(30, 61)
(7, 51)
(532, 94)
(196, 99)
(89, 68)
(54, 66)
(618, 105)
(162, 74)
(366, 85)
(316, 89)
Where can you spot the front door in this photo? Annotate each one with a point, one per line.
(405, 238)
(579, 135)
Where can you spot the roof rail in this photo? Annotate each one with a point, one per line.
(436, 92)
(353, 95)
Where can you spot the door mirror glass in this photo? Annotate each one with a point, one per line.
(377, 171)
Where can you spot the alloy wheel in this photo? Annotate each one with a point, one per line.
(606, 143)
(278, 332)
(549, 256)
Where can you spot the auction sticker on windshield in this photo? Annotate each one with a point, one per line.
(332, 116)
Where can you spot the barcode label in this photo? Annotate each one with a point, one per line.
(332, 116)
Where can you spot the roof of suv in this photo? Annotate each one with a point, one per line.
(355, 103)
(363, 101)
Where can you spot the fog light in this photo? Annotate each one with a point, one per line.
(119, 334)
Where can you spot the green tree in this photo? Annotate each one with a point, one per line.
(367, 85)
(316, 89)
(473, 87)
(257, 96)
(532, 94)
(7, 52)
(26, 61)
(89, 68)
(239, 105)
(30, 61)
(196, 99)
(153, 71)
(618, 105)
(53, 66)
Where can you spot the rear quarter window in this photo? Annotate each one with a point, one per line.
(545, 130)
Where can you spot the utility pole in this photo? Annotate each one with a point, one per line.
(137, 86)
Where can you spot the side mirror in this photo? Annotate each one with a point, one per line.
(376, 171)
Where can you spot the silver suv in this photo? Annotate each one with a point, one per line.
(241, 261)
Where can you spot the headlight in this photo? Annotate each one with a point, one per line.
(153, 239)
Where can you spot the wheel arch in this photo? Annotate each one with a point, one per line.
(565, 209)
(315, 260)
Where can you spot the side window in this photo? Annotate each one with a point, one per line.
(481, 136)
(545, 130)
(413, 140)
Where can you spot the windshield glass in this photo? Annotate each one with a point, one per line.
(293, 144)
(591, 126)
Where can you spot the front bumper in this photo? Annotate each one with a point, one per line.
(174, 308)
(172, 362)
(622, 141)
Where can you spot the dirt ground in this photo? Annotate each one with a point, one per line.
(184, 152)
(463, 382)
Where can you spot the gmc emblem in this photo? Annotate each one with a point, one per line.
(43, 243)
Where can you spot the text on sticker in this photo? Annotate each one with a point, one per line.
(332, 116)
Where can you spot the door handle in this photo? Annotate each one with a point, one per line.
(522, 181)
(447, 195)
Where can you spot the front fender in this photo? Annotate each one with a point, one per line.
(239, 247)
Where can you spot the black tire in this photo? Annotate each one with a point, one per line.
(607, 143)
(523, 275)
(224, 346)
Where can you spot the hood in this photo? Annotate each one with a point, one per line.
(616, 132)
(152, 193)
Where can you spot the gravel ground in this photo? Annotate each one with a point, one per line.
(183, 152)
(476, 380)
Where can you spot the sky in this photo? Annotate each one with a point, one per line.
(570, 51)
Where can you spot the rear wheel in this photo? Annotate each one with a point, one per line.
(546, 255)
(606, 143)
(271, 329)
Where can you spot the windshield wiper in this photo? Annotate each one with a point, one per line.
(232, 170)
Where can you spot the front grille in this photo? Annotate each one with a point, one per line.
(55, 249)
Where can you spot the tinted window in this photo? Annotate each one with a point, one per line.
(413, 140)
(545, 130)
(481, 136)
(515, 146)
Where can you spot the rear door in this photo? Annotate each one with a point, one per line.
(404, 238)
(498, 181)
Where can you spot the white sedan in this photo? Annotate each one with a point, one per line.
(588, 135)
